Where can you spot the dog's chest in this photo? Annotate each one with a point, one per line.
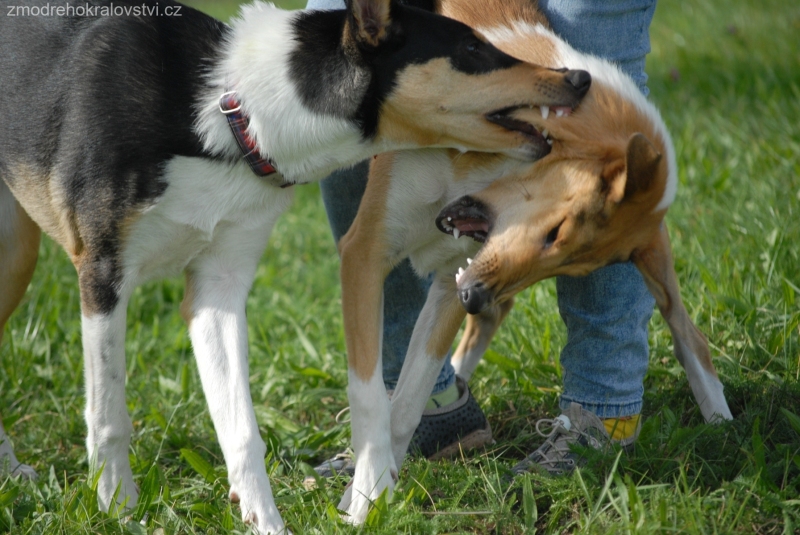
(202, 198)
(422, 184)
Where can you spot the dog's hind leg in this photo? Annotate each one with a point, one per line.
(217, 283)
(691, 348)
(104, 301)
(477, 336)
(19, 250)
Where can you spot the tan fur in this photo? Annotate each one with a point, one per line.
(434, 104)
(656, 265)
(478, 333)
(364, 268)
(372, 18)
(19, 251)
(493, 12)
(450, 315)
(35, 190)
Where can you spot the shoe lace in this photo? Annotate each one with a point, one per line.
(557, 440)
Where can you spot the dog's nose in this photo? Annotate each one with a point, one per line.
(474, 297)
(580, 80)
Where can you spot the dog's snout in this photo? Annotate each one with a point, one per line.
(580, 80)
(474, 297)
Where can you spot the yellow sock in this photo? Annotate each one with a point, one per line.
(443, 398)
(621, 428)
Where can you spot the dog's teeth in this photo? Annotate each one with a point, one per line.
(449, 218)
(456, 233)
(559, 112)
(545, 133)
(545, 111)
(460, 271)
(549, 141)
(469, 261)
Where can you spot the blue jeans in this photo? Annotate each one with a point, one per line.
(607, 312)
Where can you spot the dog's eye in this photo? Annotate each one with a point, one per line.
(552, 236)
(473, 47)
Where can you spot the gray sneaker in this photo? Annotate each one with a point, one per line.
(573, 426)
(443, 432)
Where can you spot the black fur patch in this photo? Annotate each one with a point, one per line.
(100, 104)
(331, 77)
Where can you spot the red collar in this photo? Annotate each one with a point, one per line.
(261, 165)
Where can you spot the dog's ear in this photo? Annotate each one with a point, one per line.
(370, 20)
(642, 161)
(633, 174)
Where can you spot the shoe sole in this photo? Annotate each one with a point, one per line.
(477, 439)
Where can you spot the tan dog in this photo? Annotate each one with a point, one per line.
(598, 197)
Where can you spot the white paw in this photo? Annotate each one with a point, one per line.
(117, 474)
(265, 520)
(370, 480)
(258, 508)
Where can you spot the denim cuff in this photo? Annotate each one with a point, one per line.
(603, 409)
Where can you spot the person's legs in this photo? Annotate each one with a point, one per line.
(607, 312)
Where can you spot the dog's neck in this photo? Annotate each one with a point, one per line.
(255, 62)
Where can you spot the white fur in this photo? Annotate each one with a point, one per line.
(707, 388)
(108, 425)
(602, 71)
(423, 182)
(304, 145)
(203, 197)
(376, 469)
(420, 369)
(221, 276)
(215, 219)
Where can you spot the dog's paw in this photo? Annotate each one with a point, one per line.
(116, 481)
(369, 482)
(263, 518)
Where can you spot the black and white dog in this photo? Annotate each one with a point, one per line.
(146, 145)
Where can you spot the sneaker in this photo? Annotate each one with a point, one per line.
(573, 426)
(443, 432)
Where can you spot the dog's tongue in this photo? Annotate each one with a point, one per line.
(471, 225)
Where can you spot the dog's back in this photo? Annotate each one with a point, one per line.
(125, 80)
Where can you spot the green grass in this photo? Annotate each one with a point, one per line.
(726, 76)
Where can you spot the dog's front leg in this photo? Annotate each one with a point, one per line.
(108, 424)
(364, 269)
(217, 284)
(433, 336)
(691, 348)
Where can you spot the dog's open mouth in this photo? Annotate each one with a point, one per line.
(465, 217)
(503, 118)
